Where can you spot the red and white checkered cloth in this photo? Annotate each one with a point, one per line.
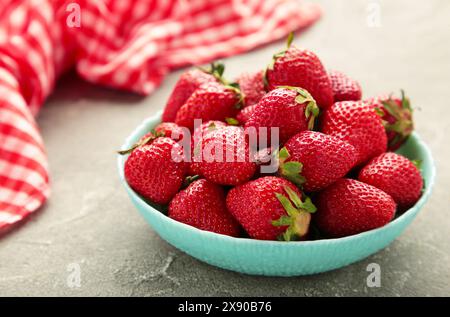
(128, 45)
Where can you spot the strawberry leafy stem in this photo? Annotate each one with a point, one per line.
(298, 215)
(303, 96)
(290, 170)
(275, 57)
(143, 141)
(403, 125)
(232, 121)
(217, 70)
(190, 179)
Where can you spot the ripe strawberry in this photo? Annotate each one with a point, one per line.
(315, 160)
(397, 118)
(212, 101)
(185, 86)
(350, 207)
(395, 175)
(207, 127)
(202, 205)
(164, 129)
(252, 87)
(170, 130)
(358, 124)
(300, 68)
(145, 139)
(245, 114)
(156, 170)
(344, 87)
(290, 109)
(193, 169)
(271, 207)
(225, 156)
(197, 137)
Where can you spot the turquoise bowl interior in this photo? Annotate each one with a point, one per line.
(274, 258)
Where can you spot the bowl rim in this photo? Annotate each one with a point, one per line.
(156, 118)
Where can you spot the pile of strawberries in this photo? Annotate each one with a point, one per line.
(335, 170)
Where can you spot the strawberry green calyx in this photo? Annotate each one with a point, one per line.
(190, 179)
(312, 110)
(303, 96)
(298, 215)
(417, 164)
(290, 170)
(379, 111)
(276, 56)
(232, 121)
(143, 141)
(217, 70)
(307, 205)
(212, 126)
(290, 39)
(403, 125)
(274, 59)
(237, 90)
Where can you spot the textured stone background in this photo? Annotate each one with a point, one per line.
(90, 221)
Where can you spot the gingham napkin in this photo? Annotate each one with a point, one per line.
(129, 45)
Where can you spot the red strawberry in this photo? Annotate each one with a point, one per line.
(358, 124)
(300, 68)
(252, 87)
(349, 207)
(290, 109)
(315, 160)
(226, 156)
(185, 86)
(212, 101)
(171, 130)
(193, 169)
(197, 137)
(202, 205)
(153, 172)
(397, 118)
(245, 114)
(271, 207)
(207, 127)
(395, 175)
(164, 129)
(344, 87)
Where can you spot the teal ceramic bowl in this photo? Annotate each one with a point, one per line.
(274, 258)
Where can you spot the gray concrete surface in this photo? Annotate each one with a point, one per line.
(89, 220)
